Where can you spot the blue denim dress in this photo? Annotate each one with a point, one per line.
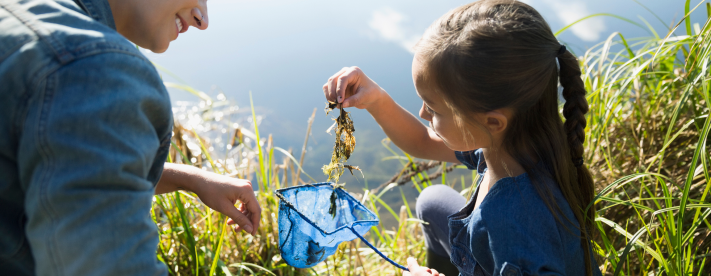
(85, 127)
(512, 232)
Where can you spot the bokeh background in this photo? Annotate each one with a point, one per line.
(284, 51)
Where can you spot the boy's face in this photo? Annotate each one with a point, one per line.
(153, 24)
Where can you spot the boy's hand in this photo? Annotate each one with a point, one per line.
(352, 87)
(221, 193)
(417, 270)
(218, 192)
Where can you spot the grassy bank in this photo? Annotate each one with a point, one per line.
(647, 145)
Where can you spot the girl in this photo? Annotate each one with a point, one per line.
(487, 74)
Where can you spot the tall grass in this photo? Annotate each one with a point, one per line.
(647, 145)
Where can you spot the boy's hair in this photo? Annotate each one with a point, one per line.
(494, 54)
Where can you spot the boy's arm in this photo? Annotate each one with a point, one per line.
(218, 192)
(89, 144)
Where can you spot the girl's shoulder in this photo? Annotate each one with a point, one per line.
(516, 226)
(521, 200)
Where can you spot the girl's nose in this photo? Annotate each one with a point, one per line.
(200, 20)
(424, 114)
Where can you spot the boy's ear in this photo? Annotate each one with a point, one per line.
(496, 122)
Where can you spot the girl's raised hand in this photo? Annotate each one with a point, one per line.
(417, 270)
(352, 87)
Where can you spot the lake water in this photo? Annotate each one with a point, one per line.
(284, 51)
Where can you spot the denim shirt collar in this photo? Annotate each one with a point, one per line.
(99, 10)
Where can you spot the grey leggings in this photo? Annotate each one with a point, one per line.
(434, 204)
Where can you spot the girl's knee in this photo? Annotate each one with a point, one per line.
(432, 199)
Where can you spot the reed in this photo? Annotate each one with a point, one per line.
(647, 145)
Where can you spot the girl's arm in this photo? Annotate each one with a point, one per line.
(353, 88)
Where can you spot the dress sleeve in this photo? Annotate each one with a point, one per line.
(90, 145)
(522, 241)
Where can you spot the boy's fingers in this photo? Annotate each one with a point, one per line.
(249, 209)
(255, 213)
(239, 218)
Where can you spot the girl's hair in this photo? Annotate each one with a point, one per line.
(494, 54)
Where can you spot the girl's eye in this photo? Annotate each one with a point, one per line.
(429, 109)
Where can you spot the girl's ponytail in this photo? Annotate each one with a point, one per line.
(574, 109)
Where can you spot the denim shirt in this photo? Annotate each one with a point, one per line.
(85, 123)
(512, 232)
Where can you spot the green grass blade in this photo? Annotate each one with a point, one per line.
(632, 241)
(216, 254)
(295, 162)
(259, 146)
(596, 15)
(688, 18)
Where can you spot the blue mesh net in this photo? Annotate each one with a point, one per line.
(315, 219)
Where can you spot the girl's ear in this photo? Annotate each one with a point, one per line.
(496, 121)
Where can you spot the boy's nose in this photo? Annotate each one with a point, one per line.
(200, 19)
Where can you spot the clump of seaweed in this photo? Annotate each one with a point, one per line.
(345, 144)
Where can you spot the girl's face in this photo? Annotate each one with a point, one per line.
(153, 24)
(487, 128)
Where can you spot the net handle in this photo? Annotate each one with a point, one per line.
(378, 251)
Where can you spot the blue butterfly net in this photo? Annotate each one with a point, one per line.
(315, 218)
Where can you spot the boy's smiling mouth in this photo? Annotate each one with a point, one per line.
(180, 24)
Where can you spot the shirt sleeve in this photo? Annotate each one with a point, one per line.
(90, 145)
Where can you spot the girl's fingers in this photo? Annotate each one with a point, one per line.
(353, 100)
(330, 86)
(412, 264)
(348, 77)
(434, 272)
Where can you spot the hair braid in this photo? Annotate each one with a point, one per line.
(576, 105)
(574, 109)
